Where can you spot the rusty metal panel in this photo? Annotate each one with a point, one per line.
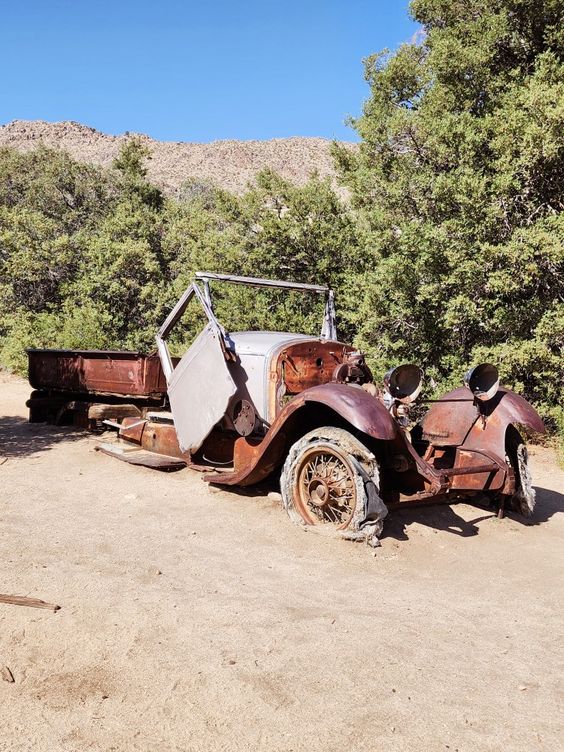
(449, 420)
(132, 429)
(476, 471)
(515, 409)
(96, 371)
(311, 363)
(162, 438)
(354, 404)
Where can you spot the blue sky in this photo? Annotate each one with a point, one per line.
(194, 71)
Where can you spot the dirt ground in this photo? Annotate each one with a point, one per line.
(194, 620)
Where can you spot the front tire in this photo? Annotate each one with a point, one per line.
(523, 499)
(330, 480)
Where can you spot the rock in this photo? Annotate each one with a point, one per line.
(274, 496)
(7, 675)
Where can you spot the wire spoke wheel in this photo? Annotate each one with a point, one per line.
(325, 490)
(330, 482)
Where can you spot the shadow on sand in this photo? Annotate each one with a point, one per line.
(442, 517)
(445, 517)
(18, 438)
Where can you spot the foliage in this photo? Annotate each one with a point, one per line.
(109, 276)
(458, 184)
(276, 230)
(79, 253)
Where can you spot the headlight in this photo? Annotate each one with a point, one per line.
(404, 382)
(483, 381)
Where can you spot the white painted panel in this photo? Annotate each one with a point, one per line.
(254, 352)
(199, 390)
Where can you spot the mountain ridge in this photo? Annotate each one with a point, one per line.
(229, 163)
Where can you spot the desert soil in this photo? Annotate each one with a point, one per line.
(193, 620)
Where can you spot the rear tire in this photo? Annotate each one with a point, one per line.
(330, 481)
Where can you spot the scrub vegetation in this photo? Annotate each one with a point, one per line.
(448, 251)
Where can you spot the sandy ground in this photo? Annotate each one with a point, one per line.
(193, 620)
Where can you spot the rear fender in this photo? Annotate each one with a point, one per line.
(310, 409)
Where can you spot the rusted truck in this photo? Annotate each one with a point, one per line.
(246, 406)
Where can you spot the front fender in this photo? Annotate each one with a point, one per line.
(357, 407)
(513, 408)
(453, 420)
(253, 462)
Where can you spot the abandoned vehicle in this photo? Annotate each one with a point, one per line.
(245, 406)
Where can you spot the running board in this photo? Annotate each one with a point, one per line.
(136, 456)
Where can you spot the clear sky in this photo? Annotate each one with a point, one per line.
(194, 71)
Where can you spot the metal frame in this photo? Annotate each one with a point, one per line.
(174, 316)
(328, 329)
(258, 282)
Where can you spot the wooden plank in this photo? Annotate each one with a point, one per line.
(102, 411)
(22, 600)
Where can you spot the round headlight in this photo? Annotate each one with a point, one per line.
(404, 382)
(483, 381)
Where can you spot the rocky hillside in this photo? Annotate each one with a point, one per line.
(230, 164)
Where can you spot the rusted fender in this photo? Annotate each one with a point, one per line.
(511, 409)
(450, 421)
(355, 405)
(516, 409)
(254, 462)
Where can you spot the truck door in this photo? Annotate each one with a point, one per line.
(200, 386)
